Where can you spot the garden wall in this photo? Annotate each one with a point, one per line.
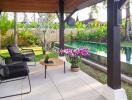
(51, 35)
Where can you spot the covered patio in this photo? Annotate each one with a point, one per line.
(65, 83)
(57, 85)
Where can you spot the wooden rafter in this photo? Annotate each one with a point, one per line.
(70, 15)
(44, 5)
(79, 4)
(122, 2)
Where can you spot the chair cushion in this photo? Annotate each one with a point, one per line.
(13, 50)
(14, 70)
(16, 55)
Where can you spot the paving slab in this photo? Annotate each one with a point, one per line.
(57, 85)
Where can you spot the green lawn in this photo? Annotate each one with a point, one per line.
(37, 50)
(126, 44)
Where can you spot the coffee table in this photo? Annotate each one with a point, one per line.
(56, 62)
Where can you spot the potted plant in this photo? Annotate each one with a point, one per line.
(74, 57)
(46, 58)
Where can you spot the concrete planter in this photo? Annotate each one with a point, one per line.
(75, 69)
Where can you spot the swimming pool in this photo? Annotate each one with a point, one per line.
(101, 49)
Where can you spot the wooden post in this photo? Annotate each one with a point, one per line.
(113, 44)
(60, 16)
(61, 20)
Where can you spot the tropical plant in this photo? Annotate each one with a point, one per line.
(8, 40)
(5, 24)
(69, 37)
(95, 35)
(29, 36)
(75, 55)
(80, 25)
(20, 25)
(32, 25)
(44, 29)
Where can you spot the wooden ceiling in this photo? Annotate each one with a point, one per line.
(51, 6)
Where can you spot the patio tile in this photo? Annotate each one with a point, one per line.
(41, 88)
(57, 85)
(91, 82)
(11, 88)
(13, 98)
(72, 87)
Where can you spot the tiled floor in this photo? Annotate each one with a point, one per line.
(57, 86)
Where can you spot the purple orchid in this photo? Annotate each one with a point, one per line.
(76, 52)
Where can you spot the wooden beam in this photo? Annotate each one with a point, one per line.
(113, 44)
(122, 2)
(44, 5)
(29, 5)
(61, 21)
(79, 4)
(70, 15)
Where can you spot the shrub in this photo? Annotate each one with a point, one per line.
(80, 25)
(95, 35)
(29, 36)
(32, 25)
(5, 23)
(20, 25)
(8, 40)
(54, 25)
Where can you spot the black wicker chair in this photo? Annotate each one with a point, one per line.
(13, 72)
(23, 55)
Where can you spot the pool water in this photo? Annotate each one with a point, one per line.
(101, 49)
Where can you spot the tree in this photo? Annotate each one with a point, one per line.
(15, 28)
(93, 11)
(34, 17)
(44, 29)
(5, 25)
(25, 19)
(128, 28)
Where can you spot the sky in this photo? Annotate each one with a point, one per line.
(82, 14)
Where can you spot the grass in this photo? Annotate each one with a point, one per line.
(102, 77)
(38, 53)
(126, 44)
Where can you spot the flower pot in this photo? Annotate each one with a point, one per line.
(75, 69)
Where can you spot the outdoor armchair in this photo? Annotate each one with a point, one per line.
(13, 72)
(23, 55)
